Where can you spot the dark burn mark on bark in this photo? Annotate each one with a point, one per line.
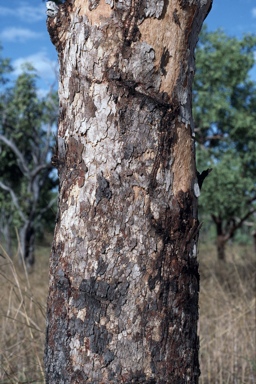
(99, 340)
(97, 290)
(103, 189)
(58, 363)
(128, 151)
(75, 167)
(176, 17)
(108, 357)
(138, 113)
(176, 274)
(63, 283)
(166, 139)
(176, 226)
(56, 25)
(183, 3)
(123, 119)
(102, 267)
(78, 377)
(113, 74)
(130, 28)
(123, 87)
(95, 296)
(140, 378)
(114, 373)
(164, 60)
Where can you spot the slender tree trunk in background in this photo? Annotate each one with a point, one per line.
(27, 244)
(254, 240)
(221, 238)
(123, 299)
(221, 244)
(6, 237)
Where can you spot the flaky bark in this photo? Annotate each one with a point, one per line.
(123, 300)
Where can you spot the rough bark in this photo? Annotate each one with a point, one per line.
(124, 282)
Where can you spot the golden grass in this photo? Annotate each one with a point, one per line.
(227, 318)
(22, 320)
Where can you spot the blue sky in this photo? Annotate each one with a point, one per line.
(24, 37)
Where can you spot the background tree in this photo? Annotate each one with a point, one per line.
(123, 300)
(26, 137)
(5, 69)
(225, 119)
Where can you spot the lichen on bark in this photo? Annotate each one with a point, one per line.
(123, 299)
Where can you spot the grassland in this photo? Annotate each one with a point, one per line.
(227, 317)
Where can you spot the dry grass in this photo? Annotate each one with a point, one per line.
(227, 318)
(22, 320)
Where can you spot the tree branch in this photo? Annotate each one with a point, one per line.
(14, 199)
(38, 169)
(49, 205)
(22, 162)
(240, 222)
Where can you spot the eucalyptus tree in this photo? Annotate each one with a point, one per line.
(26, 138)
(225, 120)
(123, 299)
(5, 69)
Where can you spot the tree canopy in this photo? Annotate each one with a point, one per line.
(26, 141)
(225, 120)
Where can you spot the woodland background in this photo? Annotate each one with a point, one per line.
(224, 104)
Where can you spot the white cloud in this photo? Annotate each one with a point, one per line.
(25, 12)
(45, 67)
(14, 34)
(254, 12)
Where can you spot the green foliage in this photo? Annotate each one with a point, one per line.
(26, 139)
(5, 68)
(226, 190)
(224, 95)
(225, 120)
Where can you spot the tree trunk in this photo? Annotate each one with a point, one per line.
(27, 244)
(221, 243)
(123, 299)
(6, 237)
(254, 240)
(222, 237)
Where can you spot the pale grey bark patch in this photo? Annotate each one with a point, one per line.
(93, 4)
(141, 56)
(196, 189)
(57, 366)
(52, 8)
(110, 2)
(154, 8)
